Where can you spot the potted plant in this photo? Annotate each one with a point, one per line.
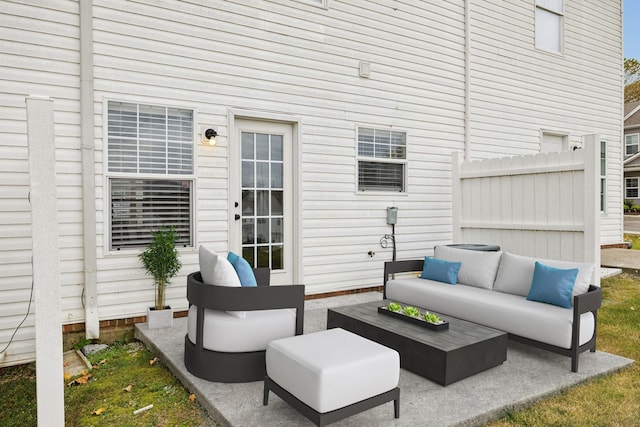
(414, 315)
(160, 260)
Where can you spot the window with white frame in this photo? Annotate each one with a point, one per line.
(549, 19)
(603, 176)
(149, 173)
(382, 158)
(631, 188)
(631, 143)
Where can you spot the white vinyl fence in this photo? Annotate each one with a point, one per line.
(544, 205)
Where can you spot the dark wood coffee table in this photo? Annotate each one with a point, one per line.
(442, 356)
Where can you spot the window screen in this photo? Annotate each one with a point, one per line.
(150, 173)
(381, 160)
(139, 206)
(150, 139)
(631, 143)
(549, 16)
(631, 188)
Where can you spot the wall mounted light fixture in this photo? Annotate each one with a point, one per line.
(209, 136)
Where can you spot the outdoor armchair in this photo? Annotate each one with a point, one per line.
(230, 327)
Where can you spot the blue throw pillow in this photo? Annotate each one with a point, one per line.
(440, 270)
(552, 285)
(243, 269)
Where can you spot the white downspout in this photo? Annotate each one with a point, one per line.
(467, 79)
(92, 322)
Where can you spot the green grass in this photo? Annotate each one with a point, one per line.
(634, 239)
(116, 368)
(18, 396)
(612, 400)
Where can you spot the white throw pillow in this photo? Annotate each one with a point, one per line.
(516, 273)
(478, 268)
(217, 270)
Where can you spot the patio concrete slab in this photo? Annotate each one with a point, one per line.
(628, 260)
(529, 374)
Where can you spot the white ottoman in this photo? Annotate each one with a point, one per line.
(332, 374)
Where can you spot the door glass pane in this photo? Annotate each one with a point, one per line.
(248, 254)
(276, 203)
(247, 202)
(276, 147)
(263, 256)
(276, 230)
(262, 230)
(262, 146)
(247, 174)
(262, 200)
(276, 257)
(262, 205)
(248, 232)
(262, 174)
(247, 145)
(276, 175)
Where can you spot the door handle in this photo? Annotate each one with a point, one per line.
(237, 217)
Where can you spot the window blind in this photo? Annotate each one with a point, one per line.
(377, 176)
(548, 24)
(150, 139)
(381, 144)
(150, 163)
(141, 206)
(389, 149)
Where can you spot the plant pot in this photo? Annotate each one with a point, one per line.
(157, 319)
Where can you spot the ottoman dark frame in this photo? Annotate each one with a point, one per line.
(324, 418)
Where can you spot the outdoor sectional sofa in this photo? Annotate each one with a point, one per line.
(495, 289)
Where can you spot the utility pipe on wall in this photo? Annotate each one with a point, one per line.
(92, 321)
(467, 79)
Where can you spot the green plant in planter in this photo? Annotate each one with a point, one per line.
(411, 311)
(394, 306)
(431, 318)
(160, 260)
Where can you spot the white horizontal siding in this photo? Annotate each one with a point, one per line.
(517, 90)
(295, 58)
(39, 56)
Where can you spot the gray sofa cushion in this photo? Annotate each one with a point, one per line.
(507, 312)
(516, 273)
(478, 268)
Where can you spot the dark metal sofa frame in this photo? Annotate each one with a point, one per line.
(590, 301)
(242, 366)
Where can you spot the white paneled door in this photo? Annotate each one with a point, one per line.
(262, 196)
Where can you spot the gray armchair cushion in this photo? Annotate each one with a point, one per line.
(227, 333)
